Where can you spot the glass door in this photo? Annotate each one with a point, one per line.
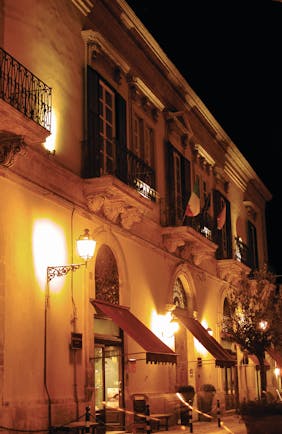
(109, 385)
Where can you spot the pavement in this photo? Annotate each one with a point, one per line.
(232, 424)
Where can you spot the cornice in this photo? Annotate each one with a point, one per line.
(242, 174)
(142, 87)
(84, 6)
(98, 43)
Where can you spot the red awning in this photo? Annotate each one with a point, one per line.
(156, 350)
(275, 355)
(221, 355)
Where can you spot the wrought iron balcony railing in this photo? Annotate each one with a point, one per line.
(242, 252)
(141, 176)
(133, 171)
(24, 91)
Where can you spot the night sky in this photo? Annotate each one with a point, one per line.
(230, 53)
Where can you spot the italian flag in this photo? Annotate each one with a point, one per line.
(193, 206)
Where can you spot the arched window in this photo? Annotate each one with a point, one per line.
(179, 295)
(106, 276)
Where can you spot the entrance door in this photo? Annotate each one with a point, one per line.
(108, 385)
(230, 382)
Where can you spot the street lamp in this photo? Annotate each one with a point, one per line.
(85, 246)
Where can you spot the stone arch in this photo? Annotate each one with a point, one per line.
(183, 274)
(182, 294)
(107, 239)
(106, 276)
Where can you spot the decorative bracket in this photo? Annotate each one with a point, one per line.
(10, 145)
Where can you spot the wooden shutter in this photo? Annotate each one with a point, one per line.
(170, 188)
(90, 154)
(252, 246)
(121, 154)
(222, 237)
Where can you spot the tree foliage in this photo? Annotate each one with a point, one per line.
(252, 315)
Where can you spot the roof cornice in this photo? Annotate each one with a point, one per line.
(236, 164)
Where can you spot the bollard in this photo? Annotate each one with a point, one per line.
(87, 419)
(148, 425)
(190, 415)
(218, 414)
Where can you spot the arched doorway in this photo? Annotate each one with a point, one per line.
(108, 345)
(180, 300)
(230, 374)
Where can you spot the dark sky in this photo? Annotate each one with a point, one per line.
(230, 53)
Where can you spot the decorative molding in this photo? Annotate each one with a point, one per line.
(191, 245)
(202, 157)
(250, 207)
(98, 44)
(231, 270)
(136, 84)
(172, 242)
(178, 122)
(84, 6)
(10, 146)
(115, 210)
(204, 154)
(220, 177)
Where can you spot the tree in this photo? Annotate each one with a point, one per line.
(253, 319)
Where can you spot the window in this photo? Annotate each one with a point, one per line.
(106, 129)
(252, 244)
(223, 236)
(178, 185)
(106, 276)
(104, 151)
(143, 140)
(179, 294)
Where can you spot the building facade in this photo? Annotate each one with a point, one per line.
(99, 130)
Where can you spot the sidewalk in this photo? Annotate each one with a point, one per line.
(231, 424)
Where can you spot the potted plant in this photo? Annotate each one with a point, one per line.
(205, 400)
(261, 416)
(188, 393)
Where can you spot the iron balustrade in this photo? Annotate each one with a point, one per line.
(242, 252)
(24, 91)
(141, 176)
(133, 171)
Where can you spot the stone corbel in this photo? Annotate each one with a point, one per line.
(129, 216)
(112, 209)
(10, 146)
(95, 50)
(115, 210)
(231, 271)
(133, 92)
(172, 243)
(95, 203)
(220, 177)
(195, 254)
(117, 74)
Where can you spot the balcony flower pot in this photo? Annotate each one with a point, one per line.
(188, 393)
(261, 417)
(205, 401)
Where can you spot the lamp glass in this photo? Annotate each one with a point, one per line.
(85, 246)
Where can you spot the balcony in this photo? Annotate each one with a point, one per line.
(127, 194)
(138, 175)
(25, 101)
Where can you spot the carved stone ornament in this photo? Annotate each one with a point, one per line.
(231, 270)
(115, 210)
(10, 145)
(195, 254)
